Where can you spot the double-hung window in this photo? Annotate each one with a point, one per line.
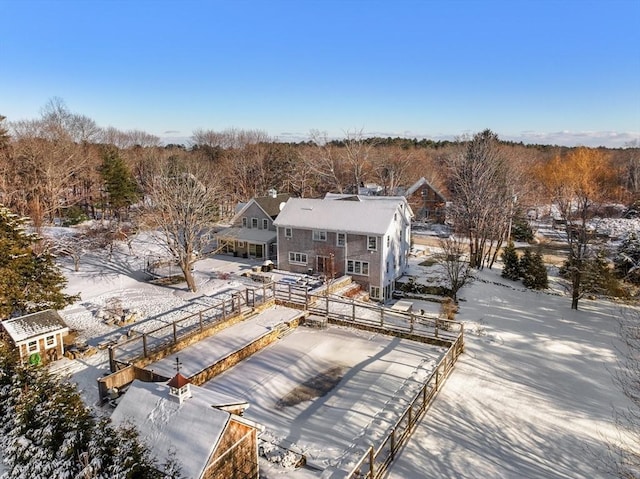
(288, 233)
(372, 243)
(341, 239)
(319, 235)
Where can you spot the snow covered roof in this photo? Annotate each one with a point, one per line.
(192, 429)
(34, 324)
(362, 216)
(252, 235)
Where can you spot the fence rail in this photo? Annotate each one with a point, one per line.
(148, 343)
(375, 461)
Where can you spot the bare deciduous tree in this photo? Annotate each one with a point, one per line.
(483, 195)
(456, 267)
(182, 206)
(578, 183)
(623, 458)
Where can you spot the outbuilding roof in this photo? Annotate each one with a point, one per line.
(192, 429)
(34, 325)
(339, 214)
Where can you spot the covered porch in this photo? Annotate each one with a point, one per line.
(247, 243)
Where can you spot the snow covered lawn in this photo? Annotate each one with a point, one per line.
(531, 398)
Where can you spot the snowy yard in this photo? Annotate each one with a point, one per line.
(532, 396)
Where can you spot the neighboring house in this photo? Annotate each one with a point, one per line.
(252, 234)
(366, 237)
(426, 201)
(194, 425)
(37, 336)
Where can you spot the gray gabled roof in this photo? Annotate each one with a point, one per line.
(362, 217)
(33, 325)
(252, 235)
(421, 182)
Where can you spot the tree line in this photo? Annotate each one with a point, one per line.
(63, 167)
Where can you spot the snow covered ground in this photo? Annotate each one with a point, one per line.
(531, 397)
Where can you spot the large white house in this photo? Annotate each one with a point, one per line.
(366, 237)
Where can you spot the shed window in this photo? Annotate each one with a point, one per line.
(32, 346)
(50, 341)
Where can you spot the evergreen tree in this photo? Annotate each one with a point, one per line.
(627, 259)
(535, 275)
(30, 281)
(119, 183)
(597, 276)
(48, 432)
(511, 262)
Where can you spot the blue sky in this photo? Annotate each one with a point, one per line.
(560, 72)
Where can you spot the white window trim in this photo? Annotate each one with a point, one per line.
(303, 258)
(374, 289)
(265, 224)
(53, 342)
(245, 222)
(254, 221)
(358, 267)
(369, 238)
(240, 244)
(344, 237)
(319, 235)
(288, 232)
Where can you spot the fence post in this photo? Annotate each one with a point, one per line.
(461, 338)
(436, 328)
(437, 379)
(372, 465)
(144, 344)
(393, 444)
(175, 333)
(112, 363)
(413, 318)
(353, 310)
(200, 319)
(327, 304)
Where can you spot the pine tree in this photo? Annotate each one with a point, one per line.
(48, 432)
(30, 281)
(535, 275)
(119, 182)
(627, 259)
(511, 262)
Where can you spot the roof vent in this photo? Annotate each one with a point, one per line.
(273, 193)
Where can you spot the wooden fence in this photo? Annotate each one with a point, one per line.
(152, 345)
(375, 461)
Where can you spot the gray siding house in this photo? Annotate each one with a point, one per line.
(252, 233)
(367, 238)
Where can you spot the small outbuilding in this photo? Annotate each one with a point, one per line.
(37, 336)
(208, 440)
